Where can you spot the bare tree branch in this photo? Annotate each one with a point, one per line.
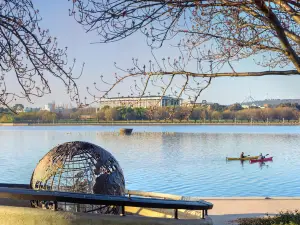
(212, 33)
(31, 54)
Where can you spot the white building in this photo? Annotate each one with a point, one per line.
(50, 107)
(144, 101)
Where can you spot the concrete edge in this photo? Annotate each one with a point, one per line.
(20, 215)
(197, 198)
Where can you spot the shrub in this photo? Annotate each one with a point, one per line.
(283, 218)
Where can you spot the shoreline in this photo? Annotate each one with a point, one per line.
(149, 124)
(224, 211)
(178, 197)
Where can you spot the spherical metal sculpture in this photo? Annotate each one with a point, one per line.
(79, 167)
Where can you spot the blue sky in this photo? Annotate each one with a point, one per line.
(99, 60)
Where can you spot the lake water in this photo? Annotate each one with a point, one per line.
(189, 162)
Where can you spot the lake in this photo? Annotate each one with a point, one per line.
(186, 160)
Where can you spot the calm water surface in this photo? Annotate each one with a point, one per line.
(190, 161)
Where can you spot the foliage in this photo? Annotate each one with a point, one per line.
(31, 54)
(181, 113)
(216, 115)
(283, 218)
(217, 107)
(290, 105)
(35, 117)
(75, 114)
(126, 113)
(18, 107)
(4, 110)
(195, 115)
(6, 118)
(111, 114)
(235, 107)
(139, 113)
(202, 113)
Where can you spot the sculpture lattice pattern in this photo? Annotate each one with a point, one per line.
(79, 167)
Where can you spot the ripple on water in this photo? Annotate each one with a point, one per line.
(190, 163)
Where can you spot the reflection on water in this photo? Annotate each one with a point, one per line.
(190, 163)
(263, 165)
(242, 163)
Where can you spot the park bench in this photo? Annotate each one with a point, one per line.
(23, 192)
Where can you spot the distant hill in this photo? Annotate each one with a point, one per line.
(272, 102)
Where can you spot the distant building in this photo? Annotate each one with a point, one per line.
(144, 101)
(61, 109)
(50, 107)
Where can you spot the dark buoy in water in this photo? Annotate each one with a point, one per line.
(126, 131)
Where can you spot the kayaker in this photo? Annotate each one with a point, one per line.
(260, 156)
(242, 155)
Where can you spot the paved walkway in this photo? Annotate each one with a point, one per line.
(226, 210)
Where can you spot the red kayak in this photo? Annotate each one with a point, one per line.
(261, 160)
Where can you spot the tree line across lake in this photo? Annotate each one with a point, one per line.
(209, 113)
(206, 113)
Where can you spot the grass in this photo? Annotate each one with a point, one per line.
(283, 218)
